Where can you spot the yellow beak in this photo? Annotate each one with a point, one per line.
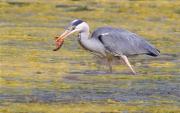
(66, 34)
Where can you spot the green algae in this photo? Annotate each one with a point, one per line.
(34, 79)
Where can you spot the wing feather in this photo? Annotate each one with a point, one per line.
(119, 41)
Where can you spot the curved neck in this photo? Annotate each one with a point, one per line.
(85, 41)
(91, 43)
(84, 35)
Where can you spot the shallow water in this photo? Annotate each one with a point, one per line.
(33, 76)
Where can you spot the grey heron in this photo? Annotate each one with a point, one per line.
(109, 42)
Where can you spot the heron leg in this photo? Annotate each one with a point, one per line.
(121, 61)
(128, 63)
(109, 61)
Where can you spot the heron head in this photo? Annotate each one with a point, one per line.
(74, 26)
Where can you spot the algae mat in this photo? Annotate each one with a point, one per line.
(34, 79)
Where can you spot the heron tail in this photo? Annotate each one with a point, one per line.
(152, 51)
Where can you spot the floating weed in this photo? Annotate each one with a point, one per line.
(87, 107)
(177, 10)
(34, 79)
(162, 65)
(81, 8)
(19, 4)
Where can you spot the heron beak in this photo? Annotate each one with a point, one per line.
(60, 39)
(66, 34)
(62, 35)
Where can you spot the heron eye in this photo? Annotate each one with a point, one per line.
(73, 27)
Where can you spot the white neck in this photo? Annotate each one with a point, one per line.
(91, 43)
(84, 35)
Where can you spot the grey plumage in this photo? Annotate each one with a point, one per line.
(108, 42)
(122, 42)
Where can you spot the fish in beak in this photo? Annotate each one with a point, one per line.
(59, 40)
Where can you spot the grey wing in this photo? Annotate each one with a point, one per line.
(118, 42)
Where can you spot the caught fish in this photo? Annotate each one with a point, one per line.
(58, 43)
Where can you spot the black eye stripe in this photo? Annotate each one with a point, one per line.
(77, 22)
(73, 27)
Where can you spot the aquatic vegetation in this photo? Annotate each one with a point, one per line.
(35, 79)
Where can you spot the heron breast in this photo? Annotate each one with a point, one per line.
(92, 46)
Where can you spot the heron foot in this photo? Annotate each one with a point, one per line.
(110, 70)
(134, 73)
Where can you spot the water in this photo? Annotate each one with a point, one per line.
(32, 73)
